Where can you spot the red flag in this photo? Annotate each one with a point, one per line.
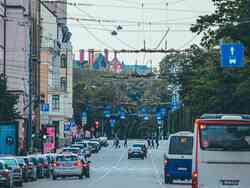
(81, 57)
(91, 56)
(106, 53)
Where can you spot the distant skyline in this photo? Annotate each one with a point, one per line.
(156, 16)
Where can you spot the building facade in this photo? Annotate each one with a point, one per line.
(2, 34)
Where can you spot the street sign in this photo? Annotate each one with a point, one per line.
(45, 107)
(232, 55)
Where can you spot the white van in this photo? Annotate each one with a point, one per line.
(221, 153)
(178, 158)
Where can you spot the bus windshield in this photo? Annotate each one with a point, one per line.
(225, 138)
(181, 145)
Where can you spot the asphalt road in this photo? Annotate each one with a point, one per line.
(110, 168)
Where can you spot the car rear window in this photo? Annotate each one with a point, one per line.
(67, 158)
(181, 145)
(1, 166)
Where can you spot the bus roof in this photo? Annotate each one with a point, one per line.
(226, 116)
(182, 133)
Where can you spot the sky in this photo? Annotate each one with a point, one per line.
(157, 15)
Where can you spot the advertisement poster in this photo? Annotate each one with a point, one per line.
(49, 144)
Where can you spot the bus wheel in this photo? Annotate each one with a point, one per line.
(168, 180)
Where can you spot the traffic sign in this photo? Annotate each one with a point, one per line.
(232, 55)
(45, 107)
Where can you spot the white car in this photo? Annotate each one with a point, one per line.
(67, 165)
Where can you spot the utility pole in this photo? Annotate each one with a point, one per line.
(4, 40)
(29, 127)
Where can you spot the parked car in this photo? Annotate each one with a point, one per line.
(16, 170)
(104, 141)
(31, 168)
(67, 165)
(45, 165)
(91, 147)
(39, 166)
(143, 146)
(136, 152)
(84, 150)
(24, 167)
(6, 176)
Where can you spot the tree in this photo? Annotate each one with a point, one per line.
(8, 102)
(229, 21)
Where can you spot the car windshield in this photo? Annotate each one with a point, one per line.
(20, 160)
(64, 158)
(10, 162)
(225, 138)
(181, 145)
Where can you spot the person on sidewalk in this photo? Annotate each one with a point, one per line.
(125, 143)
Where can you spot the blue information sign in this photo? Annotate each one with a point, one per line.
(232, 55)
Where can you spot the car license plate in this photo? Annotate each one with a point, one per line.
(67, 165)
(230, 182)
(182, 169)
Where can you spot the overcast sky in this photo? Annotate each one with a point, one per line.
(178, 16)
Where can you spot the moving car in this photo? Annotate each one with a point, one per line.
(221, 151)
(143, 146)
(6, 177)
(67, 165)
(16, 170)
(178, 158)
(136, 152)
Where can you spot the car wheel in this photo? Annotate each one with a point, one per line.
(81, 177)
(168, 180)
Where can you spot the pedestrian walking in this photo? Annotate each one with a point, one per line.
(153, 143)
(157, 143)
(149, 144)
(125, 143)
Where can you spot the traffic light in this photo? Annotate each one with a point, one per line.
(97, 125)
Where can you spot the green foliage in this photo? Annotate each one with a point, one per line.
(8, 103)
(230, 21)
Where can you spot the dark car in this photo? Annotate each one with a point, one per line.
(143, 146)
(136, 152)
(24, 167)
(31, 168)
(6, 177)
(16, 170)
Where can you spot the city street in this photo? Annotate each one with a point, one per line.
(111, 168)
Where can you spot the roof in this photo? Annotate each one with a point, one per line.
(229, 116)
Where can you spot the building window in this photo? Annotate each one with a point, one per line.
(63, 83)
(63, 61)
(56, 103)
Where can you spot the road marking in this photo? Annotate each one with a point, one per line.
(108, 171)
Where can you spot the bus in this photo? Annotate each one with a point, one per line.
(221, 152)
(178, 158)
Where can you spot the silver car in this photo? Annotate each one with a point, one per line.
(6, 176)
(67, 165)
(12, 163)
